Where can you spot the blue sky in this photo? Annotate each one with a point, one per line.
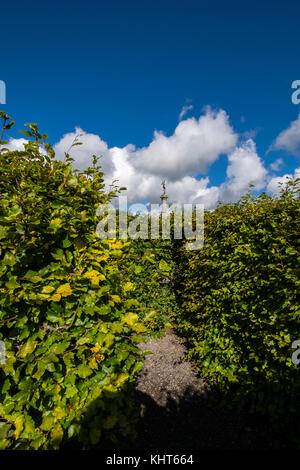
(121, 70)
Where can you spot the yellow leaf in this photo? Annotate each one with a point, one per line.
(117, 245)
(56, 389)
(109, 339)
(103, 258)
(93, 363)
(91, 274)
(19, 426)
(121, 379)
(130, 319)
(47, 423)
(47, 289)
(64, 290)
(55, 224)
(139, 328)
(8, 366)
(59, 413)
(32, 296)
(128, 286)
(103, 328)
(43, 296)
(56, 297)
(94, 276)
(94, 281)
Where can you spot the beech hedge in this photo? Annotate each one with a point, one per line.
(238, 300)
(67, 318)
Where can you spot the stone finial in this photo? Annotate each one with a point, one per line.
(164, 198)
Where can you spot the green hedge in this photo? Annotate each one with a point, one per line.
(67, 319)
(238, 300)
(150, 266)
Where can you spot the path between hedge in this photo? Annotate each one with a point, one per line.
(179, 410)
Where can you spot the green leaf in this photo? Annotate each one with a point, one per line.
(84, 371)
(27, 348)
(67, 242)
(12, 283)
(56, 435)
(4, 429)
(291, 251)
(163, 266)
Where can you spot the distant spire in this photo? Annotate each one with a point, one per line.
(164, 198)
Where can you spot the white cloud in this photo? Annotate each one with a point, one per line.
(179, 158)
(92, 144)
(275, 166)
(18, 145)
(251, 134)
(185, 109)
(277, 183)
(245, 167)
(140, 186)
(146, 187)
(190, 150)
(15, 144)
(289, 139)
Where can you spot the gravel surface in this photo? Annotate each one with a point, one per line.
(180, 411)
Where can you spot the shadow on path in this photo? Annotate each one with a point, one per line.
(200, 422)
(179, 411)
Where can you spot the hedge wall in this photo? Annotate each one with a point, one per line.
(238, 300)
(150, 266)
(67, 317)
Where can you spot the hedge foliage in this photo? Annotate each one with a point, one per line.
(68, 318)
(150, 266)
(238, 300)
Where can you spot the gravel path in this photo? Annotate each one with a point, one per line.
(179, 410)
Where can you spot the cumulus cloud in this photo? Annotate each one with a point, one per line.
(190, 150)
(179, 158)
(183, 159)
(289, 139)
(278, 183)
(92, 144)
(245, 167)
(18, 145)
(140, 186)
(15, 144)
